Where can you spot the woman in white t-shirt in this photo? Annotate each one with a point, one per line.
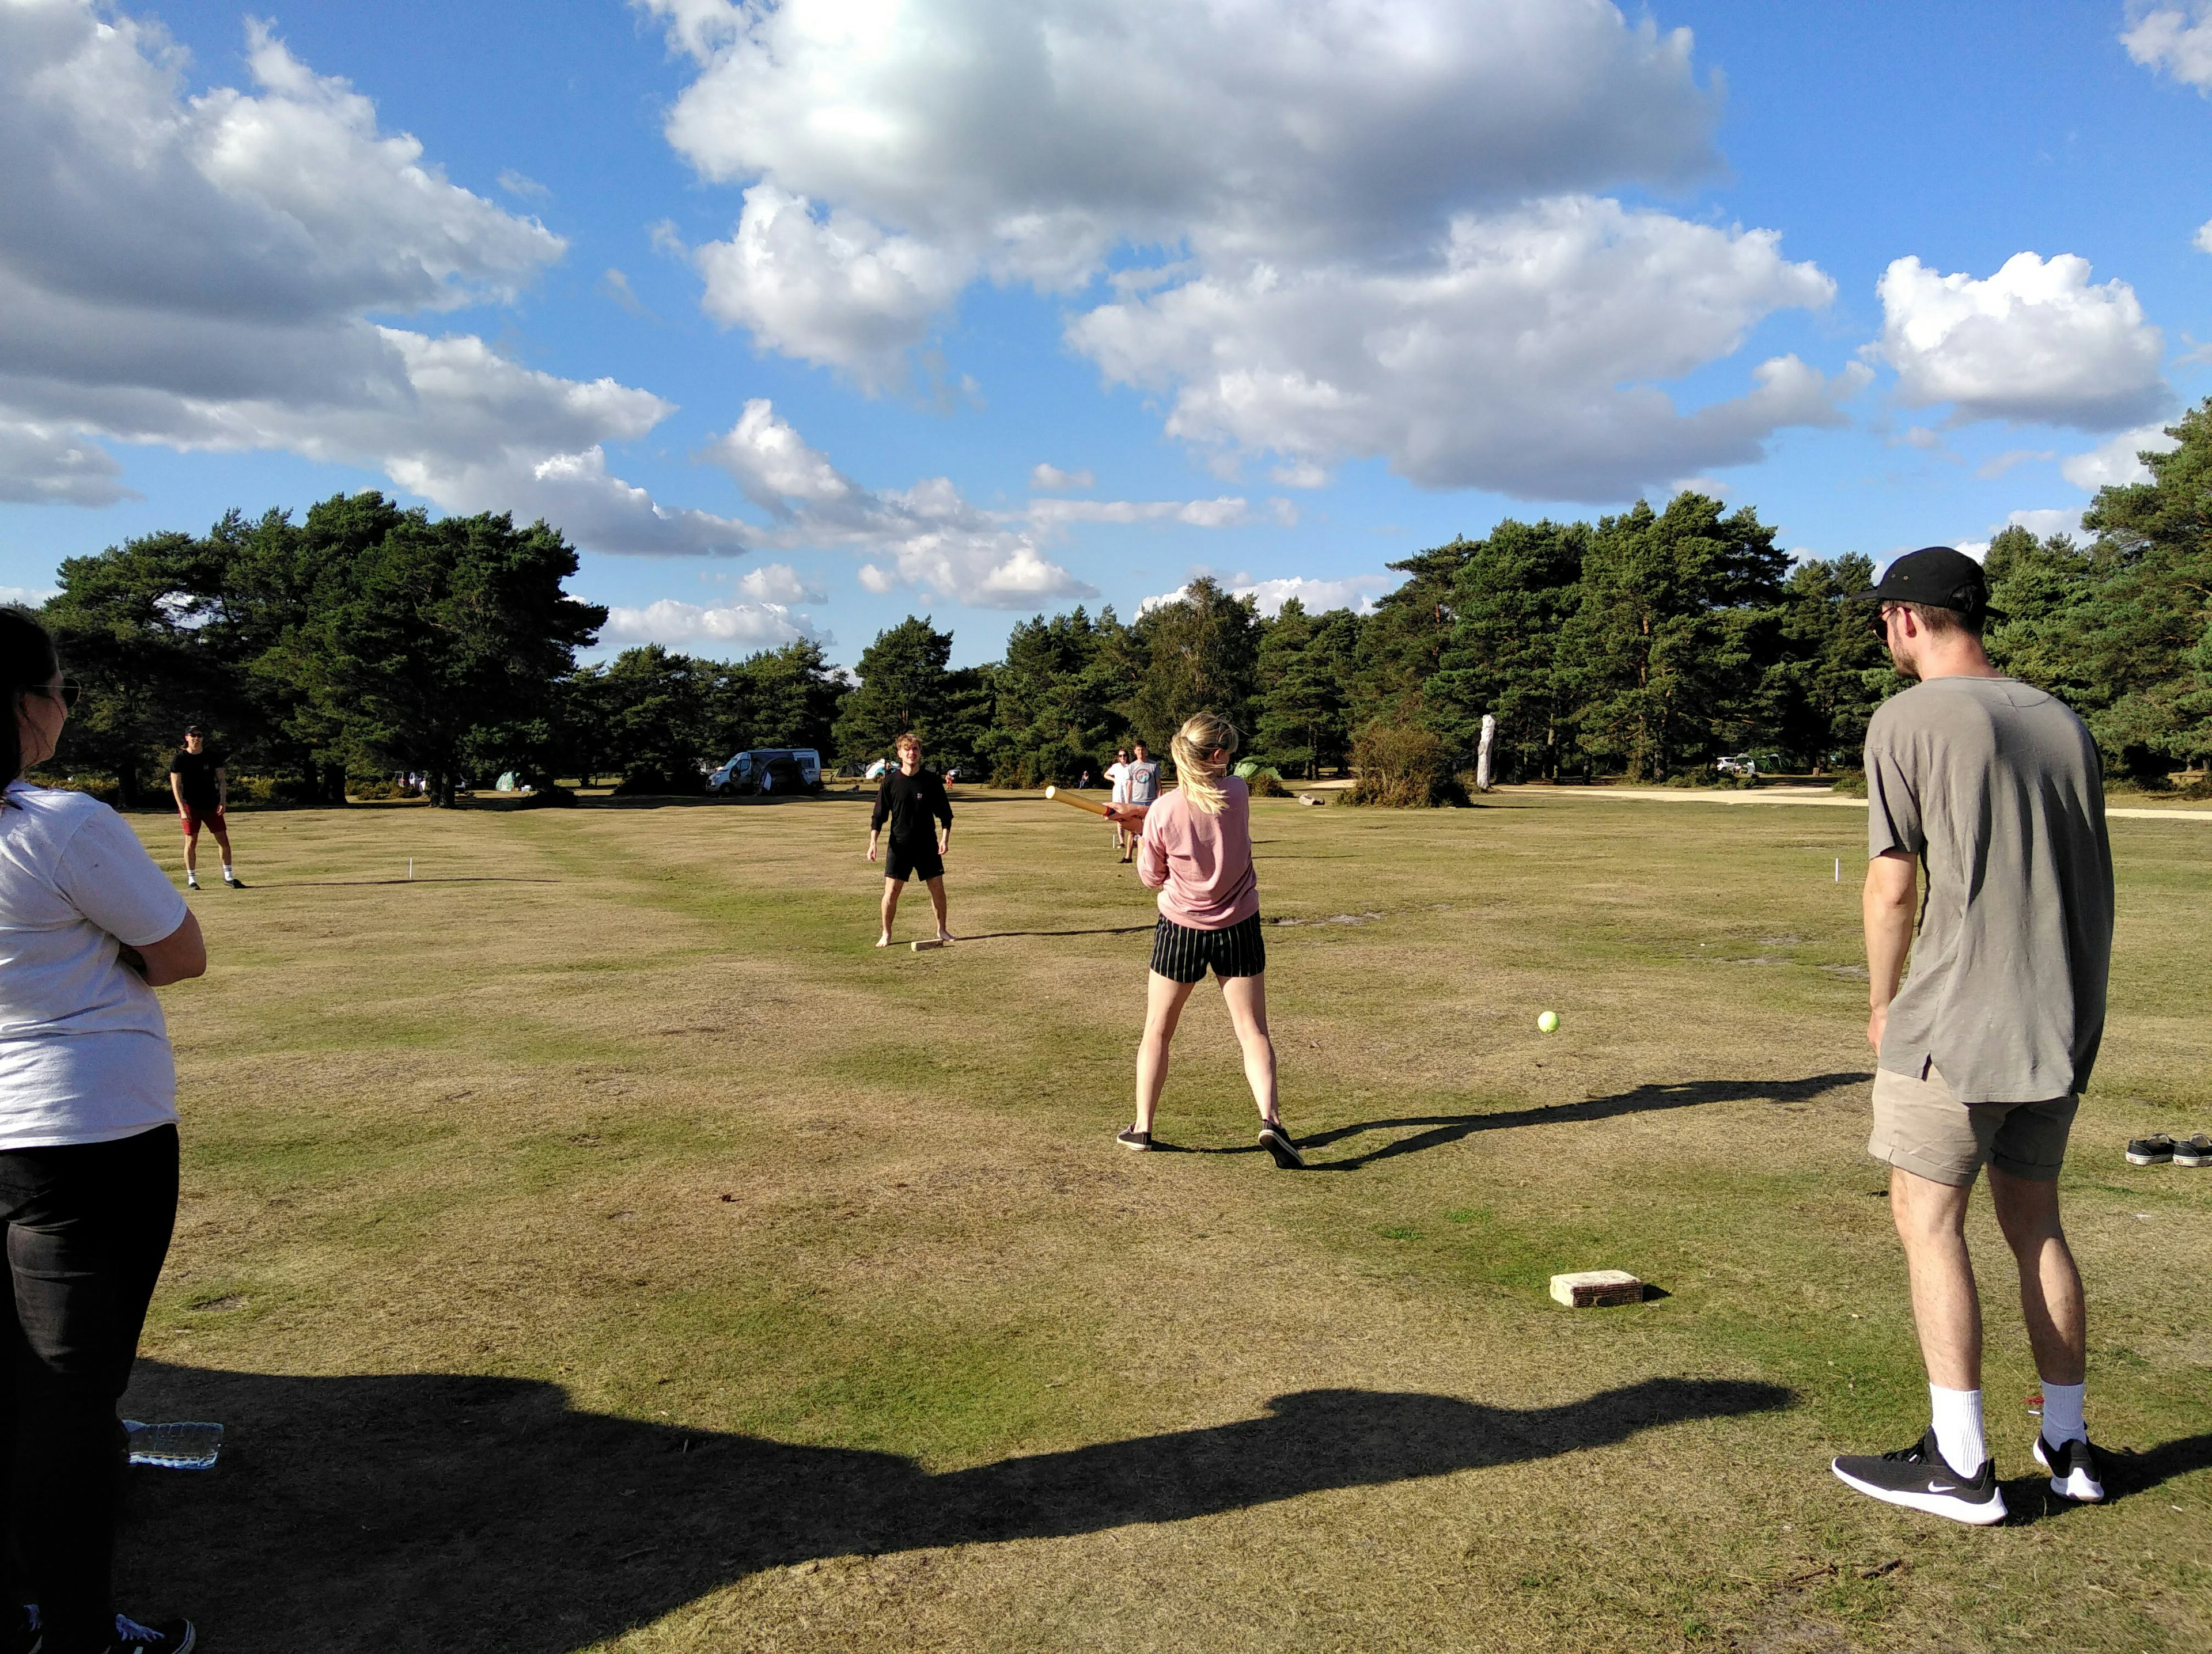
(89, 927)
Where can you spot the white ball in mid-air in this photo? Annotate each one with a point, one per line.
(1548, 1022)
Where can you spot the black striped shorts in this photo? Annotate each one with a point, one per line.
(1183, 954)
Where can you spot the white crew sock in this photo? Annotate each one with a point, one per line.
(226, 869)
(1959, 1428)
(2062, 1414)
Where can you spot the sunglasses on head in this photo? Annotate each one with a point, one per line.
(67, 694)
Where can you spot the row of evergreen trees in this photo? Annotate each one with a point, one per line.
(367, 639)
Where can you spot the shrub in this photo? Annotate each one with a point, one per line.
(1403, 768)
(551, 796)
(684, 784)
(1850, 783)
(1267, 784)
(378, 788)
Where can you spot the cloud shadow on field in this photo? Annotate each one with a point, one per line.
(437, 1511)
(1440, 1130)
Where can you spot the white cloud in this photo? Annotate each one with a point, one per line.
(2115, 461)
(521, 184)
(2176, 39)
(1051, 478)
(931, 537)
(1357, 592)
(2045, 524)
(1226, 512)
(835, 291)
(1368, 222)
(2035, 342)
(198, 272)
(616, 286)
(1524, 364)
(2012, 457)
(27, 597)
(778, 582)
(679, 625)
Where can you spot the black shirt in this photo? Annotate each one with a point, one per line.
(908, 801)
(195, 773)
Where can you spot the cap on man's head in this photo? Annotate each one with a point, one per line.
(1938, 577)
(196, 729)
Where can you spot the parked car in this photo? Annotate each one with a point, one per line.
(770, 770)
(1737, 764)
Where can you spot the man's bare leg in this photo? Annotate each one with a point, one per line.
(892, 887)
(1946, 1311)
(1163, 1003)
(192, 854)
(2050, 1284)
(937, 901)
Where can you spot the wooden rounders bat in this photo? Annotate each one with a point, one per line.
(1081, 803)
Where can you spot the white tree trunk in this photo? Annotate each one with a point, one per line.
(1482, 758)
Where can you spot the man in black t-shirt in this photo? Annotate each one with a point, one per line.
(197, 779)
(912, 800)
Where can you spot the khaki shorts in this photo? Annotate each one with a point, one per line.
(1920, 1127)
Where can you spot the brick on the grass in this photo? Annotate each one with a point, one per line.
(1587, 1288)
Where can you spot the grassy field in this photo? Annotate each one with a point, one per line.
(596, 1242)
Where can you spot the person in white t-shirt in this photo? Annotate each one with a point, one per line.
(1117, 773)
(89, 927)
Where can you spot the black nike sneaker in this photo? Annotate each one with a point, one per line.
(1130, 1137)
(170, 1637)
(1917, 1478)
(2073, 1470)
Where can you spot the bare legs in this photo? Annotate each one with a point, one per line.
(1931, 1221)
(893, 889)
(193, 847)
(1246, 999)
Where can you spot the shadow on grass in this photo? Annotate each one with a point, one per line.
(439, 1513)
(1442, 1129)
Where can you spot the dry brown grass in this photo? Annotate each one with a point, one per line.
(609, 1245)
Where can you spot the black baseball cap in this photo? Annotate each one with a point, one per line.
(1940, 576)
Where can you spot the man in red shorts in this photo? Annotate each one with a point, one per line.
(197, 777)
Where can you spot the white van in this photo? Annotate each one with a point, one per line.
(770, 770)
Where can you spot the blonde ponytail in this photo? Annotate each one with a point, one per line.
(1203, 735)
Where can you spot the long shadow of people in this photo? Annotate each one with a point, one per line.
(443, 1513)
(1442, 1129)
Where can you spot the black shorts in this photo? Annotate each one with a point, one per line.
(1183, 954)
(922, 861)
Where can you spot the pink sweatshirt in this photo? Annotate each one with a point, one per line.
(1201, 866)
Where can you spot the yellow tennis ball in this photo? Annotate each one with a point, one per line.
(1548, 1022)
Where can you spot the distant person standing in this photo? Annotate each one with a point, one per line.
(1142, 788)
(202, 791)
(912, 803)
(1995, 789)
(1117, 775)
(89, 927)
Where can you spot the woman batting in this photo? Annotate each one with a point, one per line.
(1196, 850)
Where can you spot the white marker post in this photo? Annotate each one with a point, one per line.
(1839, 870)
(411, 866)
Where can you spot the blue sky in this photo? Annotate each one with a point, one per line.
(777, 313)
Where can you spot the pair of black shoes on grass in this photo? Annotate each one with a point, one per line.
(1274, 1137)
(1917, 1478)
(2162, 1150)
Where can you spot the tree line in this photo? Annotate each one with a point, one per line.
(365, 639)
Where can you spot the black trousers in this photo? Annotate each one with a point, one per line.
(86, 1229)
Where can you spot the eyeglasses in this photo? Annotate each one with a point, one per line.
(67, 694)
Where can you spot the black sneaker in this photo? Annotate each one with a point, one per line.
(1275, 1138)
(232, 882)
(20, 1632)
(1132, 1138)
(2073, 1471)
(1917, 1478)
(2150, 1151)
(170, 1637)
(2193, 1151)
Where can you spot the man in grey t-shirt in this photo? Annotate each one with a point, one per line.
(1994, 788)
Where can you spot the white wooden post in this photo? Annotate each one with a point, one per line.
(1482, 758)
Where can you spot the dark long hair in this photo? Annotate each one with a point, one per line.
(27, 661)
